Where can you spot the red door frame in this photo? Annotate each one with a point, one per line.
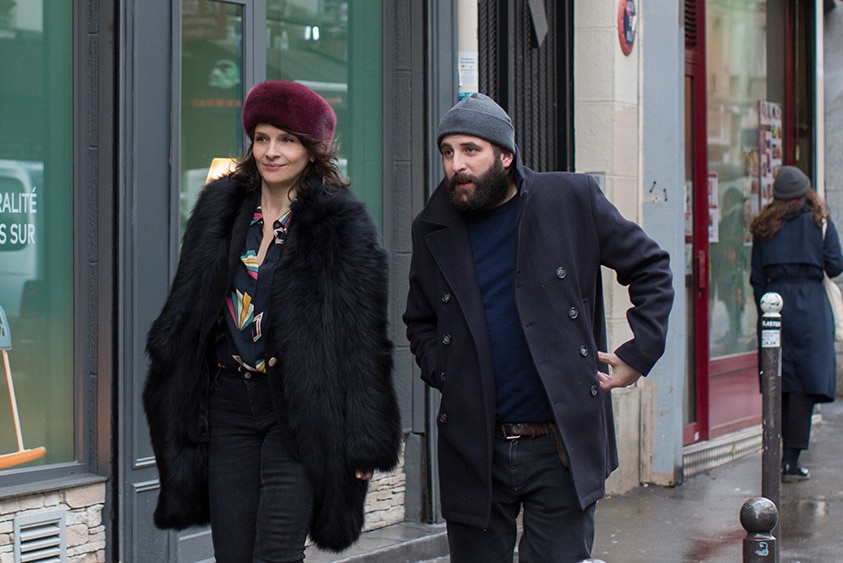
(727, 389)
(695, 69)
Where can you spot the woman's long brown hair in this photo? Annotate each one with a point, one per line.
(769, 221)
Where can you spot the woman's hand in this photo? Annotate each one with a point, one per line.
(363, 475)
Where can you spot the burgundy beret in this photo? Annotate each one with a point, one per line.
(290, 106)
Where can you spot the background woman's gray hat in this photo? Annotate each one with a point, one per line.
(479, 116)
(790, 183)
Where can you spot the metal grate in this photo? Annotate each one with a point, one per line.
(691, 25)
(40, 538)
(532, 83)
(487, 34)
(704, 456)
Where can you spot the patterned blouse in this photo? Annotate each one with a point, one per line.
(246, 307)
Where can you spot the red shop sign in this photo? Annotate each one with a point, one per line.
(627, 22)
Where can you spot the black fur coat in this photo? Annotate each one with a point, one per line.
(329, 355)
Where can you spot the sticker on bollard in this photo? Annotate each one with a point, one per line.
(770, 333)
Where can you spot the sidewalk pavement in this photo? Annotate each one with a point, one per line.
(696, 521)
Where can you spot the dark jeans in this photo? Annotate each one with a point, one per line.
(527, 472)
(261, 498)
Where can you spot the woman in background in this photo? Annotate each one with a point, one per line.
(269, 397)
(794, 243)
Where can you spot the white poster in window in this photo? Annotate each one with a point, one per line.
(713, 207)
(20, 193)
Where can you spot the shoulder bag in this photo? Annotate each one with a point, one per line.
(835, 298)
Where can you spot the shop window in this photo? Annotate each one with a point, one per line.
(36, 231)
(738, 120)
(334, 46)
(212, 91)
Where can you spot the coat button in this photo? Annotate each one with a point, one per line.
(593, 390)
(443, 418)
(446, 297)
(273, 361)
(583, 351)
(573, 313)
(446, 339)
(247, 375)
(442, 377)
(561, 273)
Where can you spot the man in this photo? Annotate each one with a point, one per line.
(505, 318)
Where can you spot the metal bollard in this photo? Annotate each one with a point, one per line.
(758, 517)
(771, 380)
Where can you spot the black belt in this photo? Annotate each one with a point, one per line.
(524, 430)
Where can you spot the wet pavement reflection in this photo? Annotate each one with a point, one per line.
(700, 519)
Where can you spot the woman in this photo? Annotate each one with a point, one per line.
(269, 397)
(789, 256)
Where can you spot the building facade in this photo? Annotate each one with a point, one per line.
(112, 113)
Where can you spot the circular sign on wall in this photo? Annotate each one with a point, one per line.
(627, 21)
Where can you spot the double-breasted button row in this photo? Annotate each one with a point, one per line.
(446, 338)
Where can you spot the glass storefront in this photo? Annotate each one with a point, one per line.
(741, 161)
(212, 91)
(36, 230)
(332, 46)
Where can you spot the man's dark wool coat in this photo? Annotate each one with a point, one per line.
(566, 230)
(328, 353)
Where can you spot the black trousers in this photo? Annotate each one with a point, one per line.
(797, 410)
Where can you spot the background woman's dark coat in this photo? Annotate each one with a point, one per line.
(328, 354)
(792, 264)
(566, 231)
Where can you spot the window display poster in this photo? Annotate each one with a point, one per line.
(769, 147)
(713, 208)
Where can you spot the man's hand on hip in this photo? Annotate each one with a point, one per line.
(621, 373)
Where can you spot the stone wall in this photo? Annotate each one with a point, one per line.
(607, 141)
(833, 92)
(385, 501)
(84, 527)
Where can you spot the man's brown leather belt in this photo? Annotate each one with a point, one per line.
(524, 430)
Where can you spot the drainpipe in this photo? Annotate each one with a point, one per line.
(819, 98)
(467, 51)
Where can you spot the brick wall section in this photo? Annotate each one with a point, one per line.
(85, 530)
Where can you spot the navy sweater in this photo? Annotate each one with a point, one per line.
(520, 396)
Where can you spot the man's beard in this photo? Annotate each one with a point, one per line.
(490, 189)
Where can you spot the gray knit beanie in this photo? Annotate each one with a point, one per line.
(790, 183)
(479, 116)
